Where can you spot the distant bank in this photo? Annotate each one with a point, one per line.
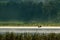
(30, 26)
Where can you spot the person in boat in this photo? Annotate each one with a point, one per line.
(40, 26)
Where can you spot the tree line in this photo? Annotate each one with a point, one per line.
(29, 11)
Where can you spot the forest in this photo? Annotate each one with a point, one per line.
(30, 12)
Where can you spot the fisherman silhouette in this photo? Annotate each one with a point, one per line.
(40, 26)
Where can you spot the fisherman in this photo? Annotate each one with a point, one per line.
(40, 26)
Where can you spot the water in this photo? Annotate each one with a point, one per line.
(30, 30)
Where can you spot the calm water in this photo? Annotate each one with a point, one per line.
(30, 30)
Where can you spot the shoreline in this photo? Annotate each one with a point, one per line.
(29, 27)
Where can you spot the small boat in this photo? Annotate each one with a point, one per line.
(40, 26)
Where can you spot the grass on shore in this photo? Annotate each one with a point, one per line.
(29, 36)
(18, 23)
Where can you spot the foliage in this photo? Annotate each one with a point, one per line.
(29, 11)
(29, 36)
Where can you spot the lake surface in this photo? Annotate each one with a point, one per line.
(30, 29)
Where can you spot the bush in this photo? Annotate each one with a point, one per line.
(29, 36)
